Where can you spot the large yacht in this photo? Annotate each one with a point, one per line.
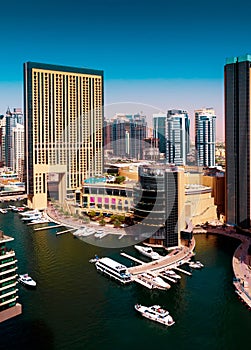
(147, 251)
(113, 269)
(155, 313)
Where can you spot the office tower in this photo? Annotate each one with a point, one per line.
(18, 150)
(138, 135)
(2, 132)
(177, 136)
(128, 134)
(8, 281)
(159, 200)
(63, 128)
(205, 136)
(237, 138)
(159, 130)
(11, 120)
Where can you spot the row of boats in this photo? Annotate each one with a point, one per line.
(150, 279)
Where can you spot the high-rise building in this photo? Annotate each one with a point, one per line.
(238, 140)
(18, 150)
(159, 199)
(177, 136)
(205, 136)
(8, 281)
(11, 120)
(159, 131)
(128, 134)
(63, 110)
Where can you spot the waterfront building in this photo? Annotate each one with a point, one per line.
(8, 281)
(238, 140)
(177, 137)
(159, 131)
(103, 195)
(159, 199)
(205, 136)
(63, 108)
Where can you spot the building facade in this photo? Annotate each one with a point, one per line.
(8, 281)
(159, 200)
(159, 131)
(18, 150)
(205, 136)
(237, 138)
(128, 134)
(63, 108)
(177, 137)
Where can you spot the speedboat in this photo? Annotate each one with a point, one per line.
(30, 212)
(3, 211)
(155, 313)
(26, 280)
(199, 263)
(147, 251)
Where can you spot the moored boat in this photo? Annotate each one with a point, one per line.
(114, 270)
(147, 251)
(155, 313)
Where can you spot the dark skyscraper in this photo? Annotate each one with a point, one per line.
(238, 143)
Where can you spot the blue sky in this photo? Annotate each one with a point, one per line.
(160, 53)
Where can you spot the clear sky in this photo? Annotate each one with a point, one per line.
(159, 53)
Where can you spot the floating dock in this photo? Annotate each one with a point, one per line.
(61, 232)
(183, 271)
(48, 227)
(132, 258)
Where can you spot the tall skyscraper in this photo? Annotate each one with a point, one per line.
(205, 136)
(63, 108)
(159, 131)
(237, 138)
(177, 136)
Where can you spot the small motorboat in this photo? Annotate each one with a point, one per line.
(155, 313)
(26, 280)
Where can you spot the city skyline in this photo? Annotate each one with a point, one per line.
(160, 54)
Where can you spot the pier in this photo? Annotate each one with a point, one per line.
(132, 258)
(61, 232)
(48, 227)
(168, 278)
(183, 271)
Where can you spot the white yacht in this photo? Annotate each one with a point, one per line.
(32, 217)
(113, 269)
(84, 232)
(26, 280)
(39, 221)
(155, 313)
(3, 211)
(30, 212)
(156, 281)
(147, 251)
(195, 265)
(172, 274)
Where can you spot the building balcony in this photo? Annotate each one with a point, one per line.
(5, 254)
(8, 271)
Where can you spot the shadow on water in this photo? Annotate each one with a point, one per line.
(30, 335)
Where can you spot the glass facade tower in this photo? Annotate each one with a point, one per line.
(237, 138)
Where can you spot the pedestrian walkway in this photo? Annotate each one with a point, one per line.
(241, 267)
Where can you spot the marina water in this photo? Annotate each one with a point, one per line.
(74, 307)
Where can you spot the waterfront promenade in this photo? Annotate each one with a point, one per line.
(171, 260)
(241, 263)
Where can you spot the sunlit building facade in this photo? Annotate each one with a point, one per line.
(63, 109)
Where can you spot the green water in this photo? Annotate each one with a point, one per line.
(74, 307)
